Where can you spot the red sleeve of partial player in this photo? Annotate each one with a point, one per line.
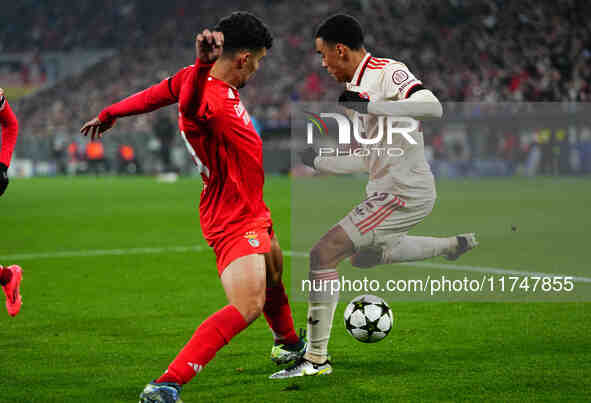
(193, 88)
(9, 133)
(162, 94)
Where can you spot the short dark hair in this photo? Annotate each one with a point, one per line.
(244, 31)
(341, 28)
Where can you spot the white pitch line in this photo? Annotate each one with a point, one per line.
(9, 259)
(101, 252)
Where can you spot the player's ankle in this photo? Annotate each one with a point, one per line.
(167, 377)
(453, 243)
(316, 358)
(290, 339)
(297, 346)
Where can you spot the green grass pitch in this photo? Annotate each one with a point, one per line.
(97, 327)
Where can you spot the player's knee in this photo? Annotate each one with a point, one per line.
(318, 255)
(257, 308)
(333, 247)
(253, 308)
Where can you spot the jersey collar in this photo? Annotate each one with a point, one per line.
(360, 70)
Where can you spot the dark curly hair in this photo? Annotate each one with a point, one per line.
(341, 28)
(244, 31)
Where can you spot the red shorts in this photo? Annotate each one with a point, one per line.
(239, 244)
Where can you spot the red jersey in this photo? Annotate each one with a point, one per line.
(9, 132)
(222, 141)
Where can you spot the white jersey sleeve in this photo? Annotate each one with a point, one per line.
(397, 81)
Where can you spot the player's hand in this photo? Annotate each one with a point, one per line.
(209, 45)
(3, 178)
(354, 100)
(96, 128)
(307, 156)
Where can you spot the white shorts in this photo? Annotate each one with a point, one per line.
(382, 216)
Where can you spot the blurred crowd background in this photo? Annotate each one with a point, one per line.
(62, 62)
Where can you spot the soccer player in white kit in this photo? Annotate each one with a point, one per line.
(401, 188)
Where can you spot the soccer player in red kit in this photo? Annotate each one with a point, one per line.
(10, 277)
(9, 134)
(234, 218)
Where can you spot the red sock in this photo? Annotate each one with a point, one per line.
(278, 314)
(5, 275)
(213, 334)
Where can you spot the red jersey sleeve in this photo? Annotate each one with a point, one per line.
(9, 133)
(193, 89)
(162, 94)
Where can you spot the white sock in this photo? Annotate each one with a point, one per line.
(412, 248)
(323, 300)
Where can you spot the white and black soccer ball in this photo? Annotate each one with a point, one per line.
(368, 318)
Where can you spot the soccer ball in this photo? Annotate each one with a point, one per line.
(368, 318)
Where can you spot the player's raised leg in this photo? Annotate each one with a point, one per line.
(406, 248)
(287, 345)
(332, 248)
(244, 282)
(10, 279)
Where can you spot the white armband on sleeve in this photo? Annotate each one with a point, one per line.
(421, 105)
(345, 164)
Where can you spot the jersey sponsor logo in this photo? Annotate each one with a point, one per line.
(399, 77)
(253, 239)
(242, 113)
(239, 108)
(246, 118)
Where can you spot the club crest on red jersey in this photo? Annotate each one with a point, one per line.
(253, 239)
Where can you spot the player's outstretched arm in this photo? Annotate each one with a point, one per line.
(148, 100)
(404, 93)
(208, 46)
(421, 105)
(9, 134)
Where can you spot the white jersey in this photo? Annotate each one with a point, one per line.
(409, 175)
